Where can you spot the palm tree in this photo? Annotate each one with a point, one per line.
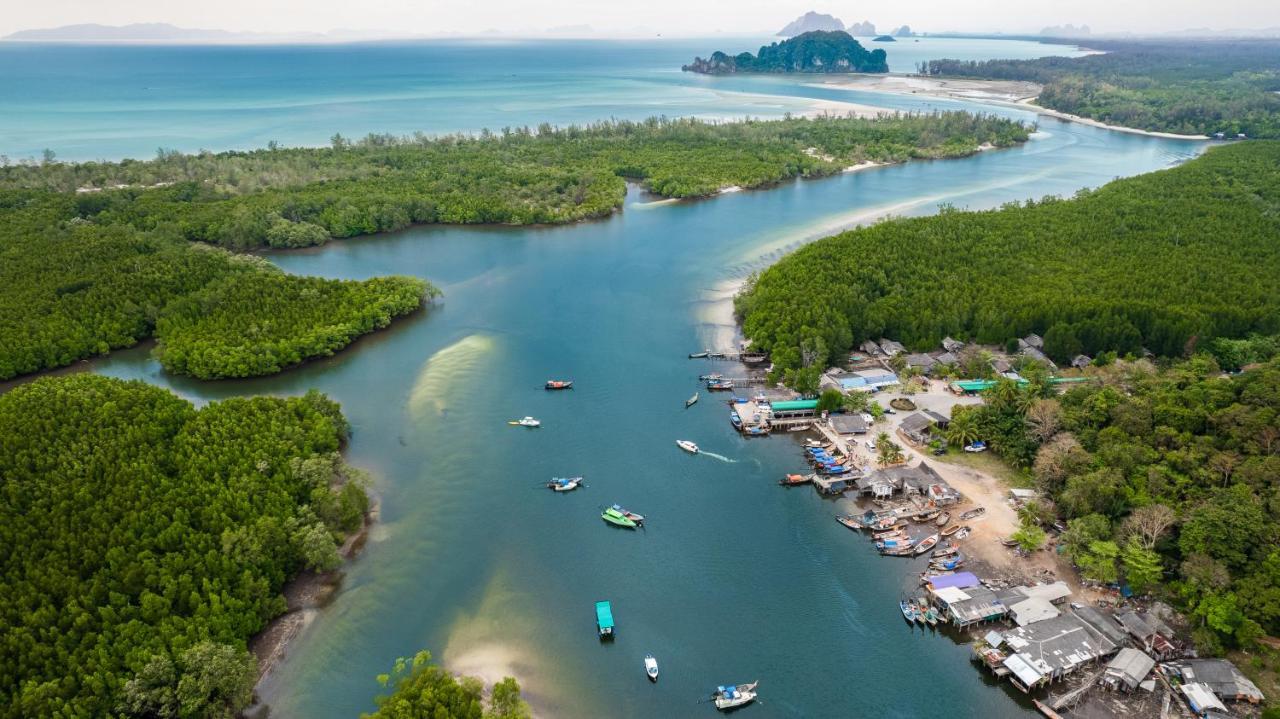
(963, 429)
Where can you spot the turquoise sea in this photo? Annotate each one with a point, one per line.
(735, 578)
(113, 101)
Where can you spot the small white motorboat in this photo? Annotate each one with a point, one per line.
(732, 697)
(687, 446)
(651, 667)
(526, 422)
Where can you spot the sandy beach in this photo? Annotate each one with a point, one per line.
(1012, 93)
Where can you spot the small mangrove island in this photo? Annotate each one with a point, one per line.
(816, 52)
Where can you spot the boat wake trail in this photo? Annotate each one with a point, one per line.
(720, 457)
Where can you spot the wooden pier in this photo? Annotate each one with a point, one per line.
(743, 357)
(746, 381)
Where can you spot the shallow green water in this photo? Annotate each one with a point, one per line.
(734, 579)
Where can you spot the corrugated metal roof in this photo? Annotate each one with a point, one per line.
(1022, 669)
(1201, 698)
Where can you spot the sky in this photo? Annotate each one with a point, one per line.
(669, 17)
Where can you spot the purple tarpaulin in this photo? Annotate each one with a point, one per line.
(959, 580)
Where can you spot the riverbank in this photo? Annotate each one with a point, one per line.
(1029, 103)
(305, 595)
(1008, 93)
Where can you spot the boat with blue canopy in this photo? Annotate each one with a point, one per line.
(733, 696)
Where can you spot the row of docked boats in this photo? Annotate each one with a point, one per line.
(917, 610)
(826, 459)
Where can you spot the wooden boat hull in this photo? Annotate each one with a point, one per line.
(943, 519)
(927, 544)
(951, 530)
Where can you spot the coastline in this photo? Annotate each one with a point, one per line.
(305, 595)
(1016, 94)
(1029, 103)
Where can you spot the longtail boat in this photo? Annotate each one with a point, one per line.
(559, 384)
(731, 696)
(618, 519)
(792, 480)
(927, 544)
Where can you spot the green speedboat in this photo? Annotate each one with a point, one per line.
(618, 518)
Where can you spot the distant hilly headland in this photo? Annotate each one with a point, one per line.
(817, 51)
(809, 22)
(816, 21)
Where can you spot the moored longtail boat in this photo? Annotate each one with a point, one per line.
(792, 480)
(618, 519)
(637, 518)
(973, 513)
(943, 519)
(564, 484)
(951, 530)
(731, 696)
(690, 402)
(908, 610)
(850, 522)
(926, 544)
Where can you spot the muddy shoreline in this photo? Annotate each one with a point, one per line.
(305, 595)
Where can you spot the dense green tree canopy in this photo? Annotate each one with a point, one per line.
(220, 331)
(71, 287)
(303, 196)
(149, 540)
(1198, 87)
(84, 270)
(1158, 261)
(422, 690)
(813, 51)
(1169, 481)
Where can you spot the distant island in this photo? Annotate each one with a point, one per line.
(883, 38)
(864, 29)
(816, 51)
(1067, 30)
(810, 22)
(904, 31)
(816, 21)
(160, 32)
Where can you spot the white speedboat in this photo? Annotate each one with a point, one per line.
(651, 667)
(687, 446)
(732, 697)
(526, 422)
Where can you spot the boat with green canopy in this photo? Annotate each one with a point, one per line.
(618, 518)
(604, 619)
